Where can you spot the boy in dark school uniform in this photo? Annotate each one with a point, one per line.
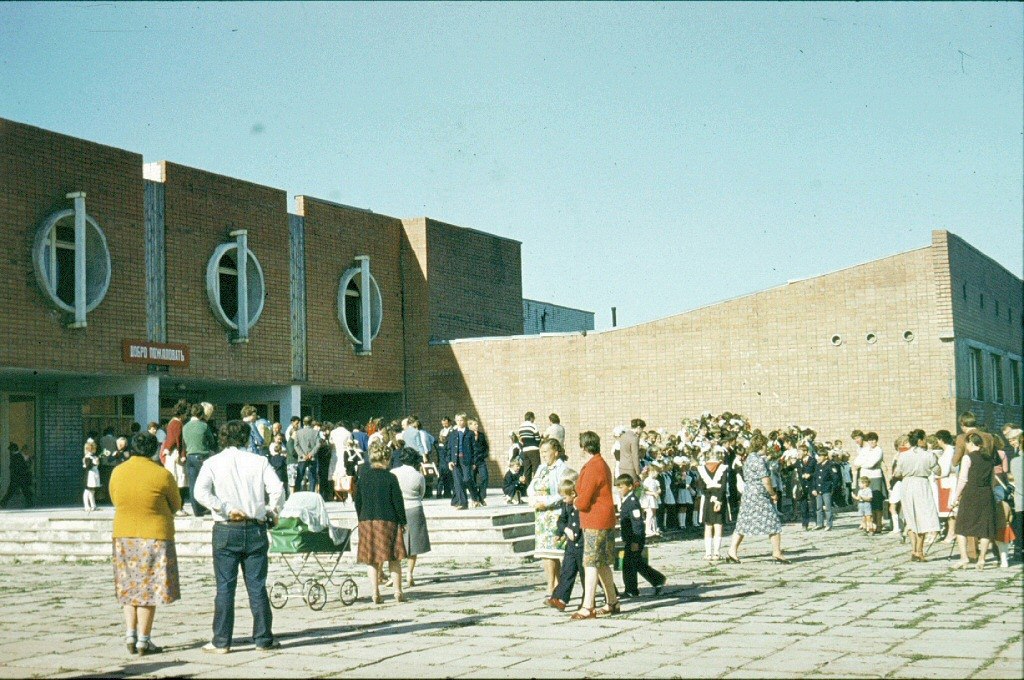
(631, 529)
(572, 559)
(513, 483)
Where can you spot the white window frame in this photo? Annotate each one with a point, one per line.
(245, 317)
(371, 306)
(92, 268)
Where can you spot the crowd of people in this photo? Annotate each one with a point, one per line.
(715, 471)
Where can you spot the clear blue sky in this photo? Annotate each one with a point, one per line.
(654, 157)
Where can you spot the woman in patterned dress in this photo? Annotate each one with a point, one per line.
(145, 497)
(757, 515)
(544, 498)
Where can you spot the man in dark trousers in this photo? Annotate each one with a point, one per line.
(631, 528)
(572, 558)
(459, 457)
(21, 476)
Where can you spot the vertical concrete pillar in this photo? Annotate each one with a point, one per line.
(80, 278)
(366, 331)
(242, 265)
(291, 403)
(147, 400)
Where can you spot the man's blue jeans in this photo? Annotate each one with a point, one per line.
(823, 505)
(241, 544)
(193, 464)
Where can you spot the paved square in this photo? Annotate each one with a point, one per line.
(848, 606)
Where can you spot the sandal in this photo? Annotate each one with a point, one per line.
(579, 615)
(608, 610)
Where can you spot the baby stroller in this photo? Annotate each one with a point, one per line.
(306, 543)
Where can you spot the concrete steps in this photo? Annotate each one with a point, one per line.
(70, 534)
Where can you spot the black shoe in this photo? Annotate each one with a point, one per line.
(272, 646)
(626, 596)
(658, 588)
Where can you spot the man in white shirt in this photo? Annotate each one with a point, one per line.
(555, 429)
(339, 437)
(233, 485)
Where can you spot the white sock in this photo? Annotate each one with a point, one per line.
(682, 520)
(130, 635)
(718, 545)
(707, 545)
(1004, 555)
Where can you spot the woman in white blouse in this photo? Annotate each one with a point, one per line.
(869, 464)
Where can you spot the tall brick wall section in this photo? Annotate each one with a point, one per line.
(201, 208)
(767, 355)
(475, 283)
(37, 169)
(997, 324)
(335, 235)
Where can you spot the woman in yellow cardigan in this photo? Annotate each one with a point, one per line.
(145, 497)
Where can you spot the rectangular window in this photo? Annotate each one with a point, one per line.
(1016, 396)
(996, 362)
(99, 413)
(977, 375)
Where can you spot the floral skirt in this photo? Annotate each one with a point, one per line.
(598, 547)
(380, 541)
(145, 572)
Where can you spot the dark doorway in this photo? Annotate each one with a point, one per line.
(360, 407)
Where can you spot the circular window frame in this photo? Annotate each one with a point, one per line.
(836, 340)
(909, 336)
(353, 274)
(213, 285)
(871, 338)
(38, 262)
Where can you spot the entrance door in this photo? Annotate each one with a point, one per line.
(19, 427)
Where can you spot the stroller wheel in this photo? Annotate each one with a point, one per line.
(348, 592)
(278, 595)
(316, 597)
(306, 586)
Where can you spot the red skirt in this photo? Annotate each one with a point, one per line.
(380, 541)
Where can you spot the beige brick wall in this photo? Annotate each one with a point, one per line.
(766, 355)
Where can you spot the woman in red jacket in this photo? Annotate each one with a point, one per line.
(597, 518)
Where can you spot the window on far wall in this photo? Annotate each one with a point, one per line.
(977, 374)
(1016, 395)
(996, 362)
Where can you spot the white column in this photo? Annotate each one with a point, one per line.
(291, 403)
(364, 300)
(80, 279)
(242, 265)
(147, 401)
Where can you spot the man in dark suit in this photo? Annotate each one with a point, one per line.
(21, 476)
(631, 529)
(459, 455)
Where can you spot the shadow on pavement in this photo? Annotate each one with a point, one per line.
(351, 633)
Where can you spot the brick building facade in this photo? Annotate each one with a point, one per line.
(343, 313)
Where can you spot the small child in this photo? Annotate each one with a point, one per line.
(864, 495)
(651, 498)
(572, 558)
(685, 493)
(514, 483)
(631, 529)
(90, 463)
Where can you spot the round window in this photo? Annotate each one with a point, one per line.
(871, 338)
(53, 258)
(837, 340)
(908, 336)
(222, 285)
(350, 305)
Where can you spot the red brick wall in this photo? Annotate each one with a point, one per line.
(334, 236)
(201, 208)
(973, 275)
(37, 169)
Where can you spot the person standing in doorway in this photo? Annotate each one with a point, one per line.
(199, 442)
(244, 495)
